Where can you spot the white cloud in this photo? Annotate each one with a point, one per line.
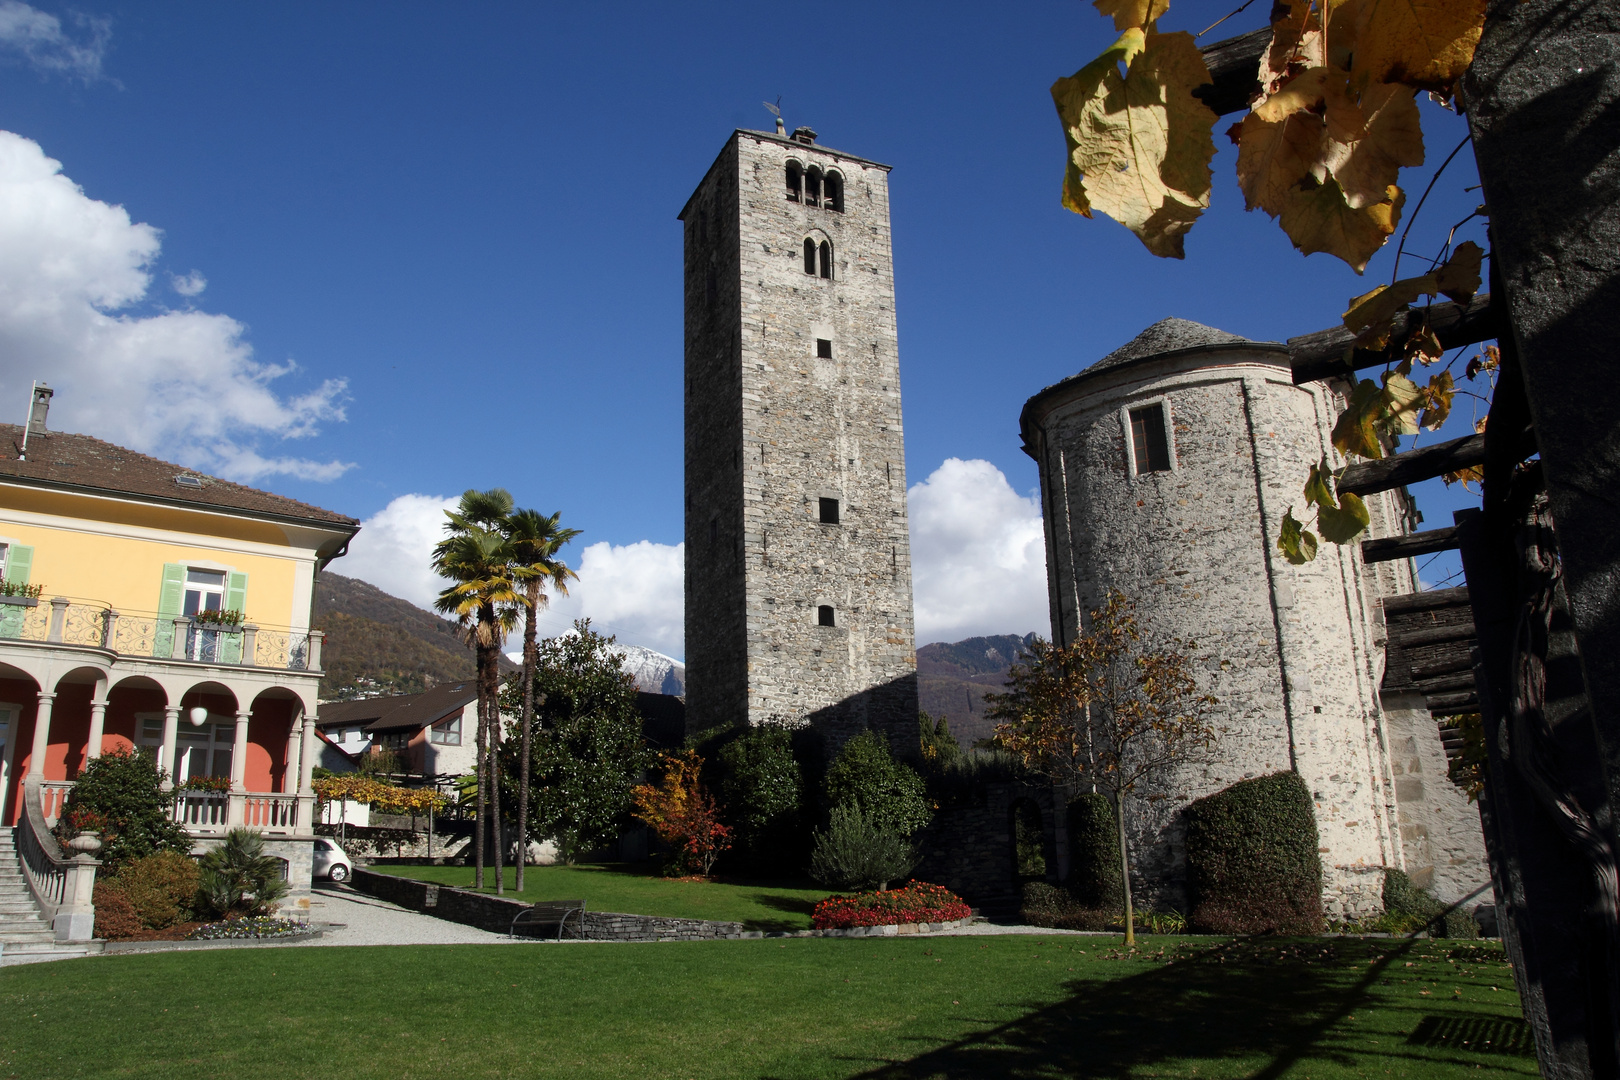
(978, 555)
(395, 546)
(633, 590)
(39, 38)
(180, 384)
(191, 284)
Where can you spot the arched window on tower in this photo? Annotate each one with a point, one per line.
(833, 199)
(812, 186)
(809, 256)
(795, 182)
(825, 261)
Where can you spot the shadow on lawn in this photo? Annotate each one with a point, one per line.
(1275, 1005)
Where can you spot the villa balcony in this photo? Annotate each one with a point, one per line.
(91, 624)
(206, 814)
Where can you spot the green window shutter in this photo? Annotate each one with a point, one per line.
(230, 645)
(171, 601)
(19, 561)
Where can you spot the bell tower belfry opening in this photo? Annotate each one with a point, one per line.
(798, 559)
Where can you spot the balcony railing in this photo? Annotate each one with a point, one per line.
(203, 813)
(66, 621)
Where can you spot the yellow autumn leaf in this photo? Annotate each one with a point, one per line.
(1375, 309)
(1399, 403)
(1437, 397)
(1296, 44)
(1424, 44)
(1459, 279)
(1141, 143)
(1371, 140)
(1356, 431)
(1280, 143)
(1131, 14)
(1343, 523)
(1317, 218)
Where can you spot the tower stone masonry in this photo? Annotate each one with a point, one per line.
(798, 566)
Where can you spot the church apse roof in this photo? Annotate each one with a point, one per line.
(1167, 337)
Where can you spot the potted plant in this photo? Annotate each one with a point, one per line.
(85, 828)
(19, 593)
(220, 620)
(206, 784)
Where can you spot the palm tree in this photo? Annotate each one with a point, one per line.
(534, 539)
(484, 601)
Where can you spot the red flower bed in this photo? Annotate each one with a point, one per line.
(917, 902)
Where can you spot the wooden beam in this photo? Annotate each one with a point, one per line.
(1323, 355)
(1461, 681)
(1427, 600)
(1449, 667)
(1234, 68)
(1424, 463)
(1453, 703)
(1431, 635)
(1410, 546)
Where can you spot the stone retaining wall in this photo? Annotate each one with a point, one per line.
(495, 913)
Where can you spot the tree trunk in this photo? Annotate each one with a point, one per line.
(482, 818)
(495, 781)
(530, 661)
(1125, 870)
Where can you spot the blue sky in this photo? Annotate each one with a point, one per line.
(458, 222)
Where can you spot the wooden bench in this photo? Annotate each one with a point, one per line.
(547, 912)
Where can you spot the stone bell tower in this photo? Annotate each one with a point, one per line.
(798, 563)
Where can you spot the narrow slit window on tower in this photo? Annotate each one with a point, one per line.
(824, 615)
(823, 349)
(795, 182)
(826, 260)
(834, 197)
(1149, 440)
(714, 531)
(809, 256)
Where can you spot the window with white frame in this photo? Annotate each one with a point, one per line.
(205, 591)
(447, 733)
(204, 751)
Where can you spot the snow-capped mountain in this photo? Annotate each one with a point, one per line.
(654, 672)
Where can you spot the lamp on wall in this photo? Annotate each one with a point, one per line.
(198, 716)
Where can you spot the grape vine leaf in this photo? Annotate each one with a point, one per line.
(1357, 430)
(1297, 543)
(1140, 143)
(1425, 44)
(1399, 402)
(1343, 523)
(1317, 218)
(1437, 397)
(1131, 14)
(1371, 140)
(1459, 279)
(1318, 489)
(1280, 142)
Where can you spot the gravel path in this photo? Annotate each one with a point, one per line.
(358, 919)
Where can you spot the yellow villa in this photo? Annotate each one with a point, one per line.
(145, 604)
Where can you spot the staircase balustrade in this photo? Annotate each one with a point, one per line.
(62, 887)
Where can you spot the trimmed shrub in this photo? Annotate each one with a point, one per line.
(115, 915)
(161, 888)
(866, 775)
(125, 788)
(1094, 875)
(762, 787)
(917, 902)
(1061, 909)
(855, 851)
(1408, 909)
(1252, 863)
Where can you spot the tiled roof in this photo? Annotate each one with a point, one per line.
(405, 711)
(62, 459)
(1167, 336)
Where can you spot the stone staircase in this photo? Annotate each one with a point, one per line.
(25, 937)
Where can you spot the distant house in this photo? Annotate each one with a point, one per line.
(432, 732)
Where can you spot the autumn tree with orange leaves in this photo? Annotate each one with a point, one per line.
(1110, 711)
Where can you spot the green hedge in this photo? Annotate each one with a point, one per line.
(1094, 877)
(1252, 862)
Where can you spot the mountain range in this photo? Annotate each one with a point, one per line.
(952, 679)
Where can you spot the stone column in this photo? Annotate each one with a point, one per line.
(306, 769)
(42, 737)
(239, 753)
(171, 741)
(295, 756)
(98, 720)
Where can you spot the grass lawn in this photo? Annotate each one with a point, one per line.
(964, 1008)
(637, 889)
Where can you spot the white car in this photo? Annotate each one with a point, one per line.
(331, 861)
